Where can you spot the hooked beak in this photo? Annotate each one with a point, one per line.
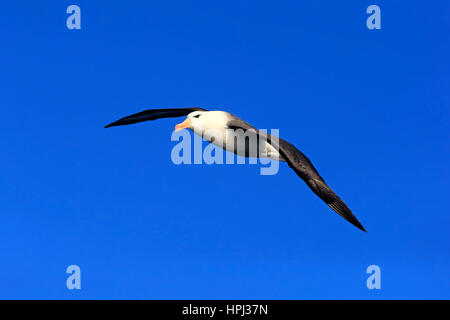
(186, 124)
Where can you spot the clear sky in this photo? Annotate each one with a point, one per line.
(370, 108)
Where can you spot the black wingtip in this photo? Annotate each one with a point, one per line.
(357, 224)
(340, 208)
(115, 124)
(153, 114)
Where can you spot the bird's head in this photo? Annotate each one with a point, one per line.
(196, 121)
(202, 122)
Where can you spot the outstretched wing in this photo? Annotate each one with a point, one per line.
(305, 170)
(153, 114)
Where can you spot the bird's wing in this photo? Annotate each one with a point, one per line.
(305, 170)
(153, 114)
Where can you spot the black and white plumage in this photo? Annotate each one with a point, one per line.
(201, 122)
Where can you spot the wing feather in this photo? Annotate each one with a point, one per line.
(305, 170)
(153, 114)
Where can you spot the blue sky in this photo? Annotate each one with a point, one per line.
(370, 108)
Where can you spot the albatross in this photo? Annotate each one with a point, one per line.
(202, 121)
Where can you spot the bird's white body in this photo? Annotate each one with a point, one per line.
(213, 127)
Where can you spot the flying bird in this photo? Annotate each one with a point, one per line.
(202, 121)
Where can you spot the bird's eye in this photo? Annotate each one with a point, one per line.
(197, 116)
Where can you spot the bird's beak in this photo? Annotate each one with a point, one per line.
(186, 124)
